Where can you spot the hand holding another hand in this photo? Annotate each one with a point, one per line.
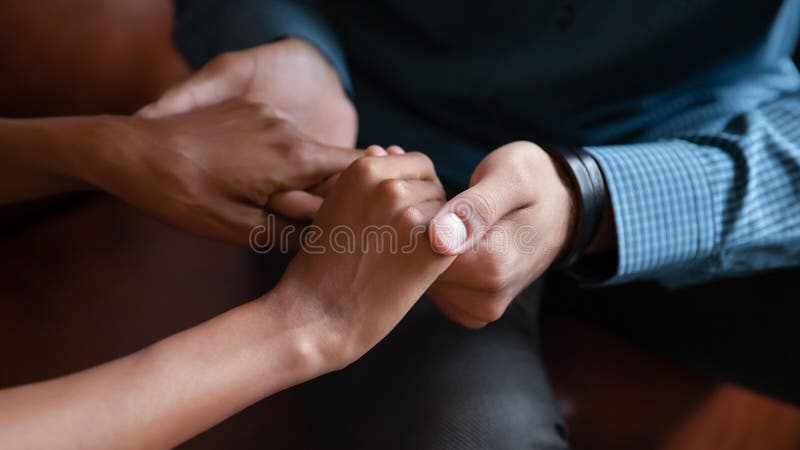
(507, 228)
(214, 170)
(289, 76)
(370, 258)
(285, 82)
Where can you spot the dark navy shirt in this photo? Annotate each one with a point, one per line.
(691, 107)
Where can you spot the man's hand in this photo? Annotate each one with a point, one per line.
(290, 76)
(212, 171)
(370, 258)
(507, 228)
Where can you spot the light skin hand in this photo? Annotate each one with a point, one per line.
(290, 76)
(507, 228)
(328, 309)
(360, 294)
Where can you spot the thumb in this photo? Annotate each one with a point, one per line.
(465, 219)
(219, 80)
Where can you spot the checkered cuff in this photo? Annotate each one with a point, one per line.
(663, 208)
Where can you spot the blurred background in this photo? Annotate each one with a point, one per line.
(86, 279)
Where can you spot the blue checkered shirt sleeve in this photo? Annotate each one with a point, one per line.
(703, 205)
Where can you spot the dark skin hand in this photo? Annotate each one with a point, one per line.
(290, 76)
(212, 171)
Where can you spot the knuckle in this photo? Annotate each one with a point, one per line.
(392, 191)
(363, 170)
(409, 218)
(298, 150)
(423, 160)
(479, 207)
(300, 156)
(267, 111)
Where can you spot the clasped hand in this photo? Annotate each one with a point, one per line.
(507, 228)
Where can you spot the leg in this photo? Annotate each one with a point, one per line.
(435, 385)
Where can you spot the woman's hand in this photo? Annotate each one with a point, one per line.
(213, 171)
(331, 306)
(368, 258)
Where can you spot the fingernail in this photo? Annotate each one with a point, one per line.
(450, 234)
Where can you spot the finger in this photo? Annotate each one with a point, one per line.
(467, 302)
(299, 205)
(243, 224)
(217, 81)
(325, 188)
(456, 314)
(375, 150)
(429, 208)
(416, 191)
(469, 215)
(407, 166)
(266, 231)
(464, 270)
(324, 161)
(395, 150)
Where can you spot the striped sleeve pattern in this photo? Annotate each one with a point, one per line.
(702, 206)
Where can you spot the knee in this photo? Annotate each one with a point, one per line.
(508, 420)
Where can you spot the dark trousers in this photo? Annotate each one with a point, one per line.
(432, 384)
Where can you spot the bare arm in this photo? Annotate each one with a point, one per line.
(211, 171)
(168, 392)
(329, 309)
(33, 157)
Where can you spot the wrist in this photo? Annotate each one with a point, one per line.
(71, 147)
(102, 144)
(605, 239)
(571, 200)
(311, 341)
(37, 155)
(589, 197)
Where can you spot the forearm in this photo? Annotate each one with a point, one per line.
(168, 392)
(709, 204)
(37, 155)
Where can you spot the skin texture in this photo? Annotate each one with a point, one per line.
(518, 215)
(212, 171)
(313, 322)
(340, 275)
(290, 77)
(516, 190)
